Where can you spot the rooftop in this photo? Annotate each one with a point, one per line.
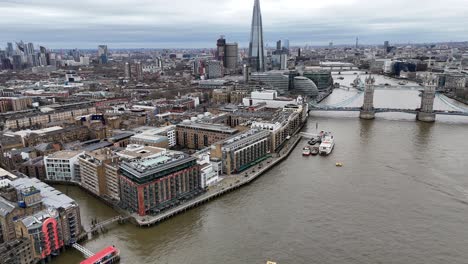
(208, 126)
(64, 154)
(137, 151)
(142, 168)
(51, 197)
(246, 136)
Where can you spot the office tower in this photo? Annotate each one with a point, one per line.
(102, 54)
(231, 56)
(139, 71)
(285, 43)
(357, 42)
(42, 56)
(386, 45)
(20, 48)
(128, 71)
(246, 73)
(220, 48)
(30, 48)
(256, 53)
(214, 69)
(279, 61)
(17, 62)
(278, 45)
(9, 49)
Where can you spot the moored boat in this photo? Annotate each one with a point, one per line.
(314, 151)
(327, 145)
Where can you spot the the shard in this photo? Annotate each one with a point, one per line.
(256, 55)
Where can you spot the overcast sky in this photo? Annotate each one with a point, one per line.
(197, 24)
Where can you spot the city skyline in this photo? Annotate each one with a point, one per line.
(181, 24)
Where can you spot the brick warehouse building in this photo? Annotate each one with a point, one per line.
(194, 135)
(148, 186)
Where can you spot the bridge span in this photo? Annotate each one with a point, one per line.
(425, 113)
(386, 110)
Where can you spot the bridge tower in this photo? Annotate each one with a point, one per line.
(367, 109)
(426, 112)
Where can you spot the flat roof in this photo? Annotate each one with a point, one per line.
(141, 168)
(64, 154)
(208, 126)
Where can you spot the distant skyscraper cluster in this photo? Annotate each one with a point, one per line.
(23, 55)
(20, 56)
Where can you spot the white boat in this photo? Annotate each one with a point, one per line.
(327, 145)
(306, 151)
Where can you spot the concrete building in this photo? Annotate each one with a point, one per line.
(139, 71)
(195, 135)
(148, 186)
(209, 173)
(128, 71)
(63, 166)
(214, 69)
(231, 56)
(93, 171)
(242, 151)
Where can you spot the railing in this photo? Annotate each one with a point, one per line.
(86, 252)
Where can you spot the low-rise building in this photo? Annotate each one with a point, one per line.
(208, 170)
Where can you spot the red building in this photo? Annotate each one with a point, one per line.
(149, 186)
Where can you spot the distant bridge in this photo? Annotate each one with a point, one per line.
(385, 110)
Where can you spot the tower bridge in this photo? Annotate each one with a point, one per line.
(424, 113)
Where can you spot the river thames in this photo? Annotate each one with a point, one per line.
(401, 197)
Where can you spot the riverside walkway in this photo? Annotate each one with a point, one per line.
(228, 184)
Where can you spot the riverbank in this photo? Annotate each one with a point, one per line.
(228, 184)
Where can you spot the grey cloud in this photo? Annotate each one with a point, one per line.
(188, 23)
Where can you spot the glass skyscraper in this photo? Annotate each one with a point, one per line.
(256, 53)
